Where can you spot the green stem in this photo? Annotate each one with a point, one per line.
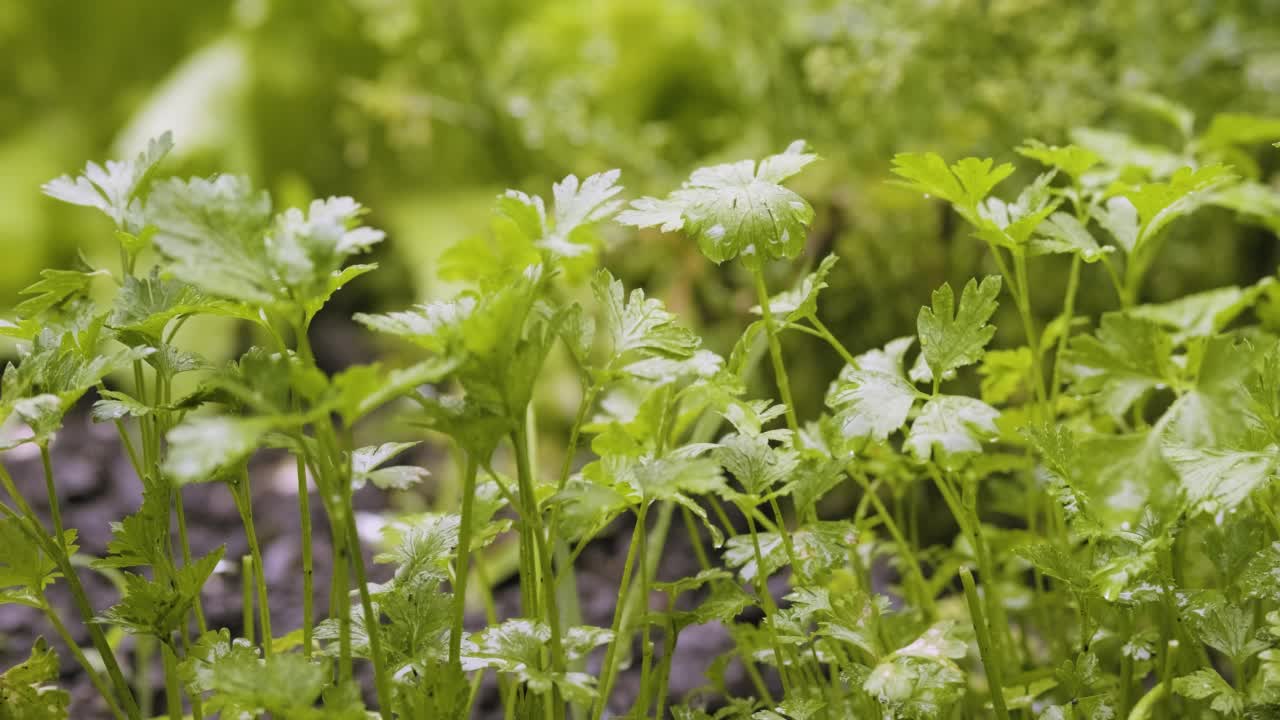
(985, 649)
(1068, 314)
(1166, 676)
(144, 648)
(1121, 294)
(55, 510)
(340, 597)
(904, 548)
(766, 600)
(838, 346)
(775, 351)
(98, 683)
(172, 683)
(610, 667)
(246, 598)
(371, 620)
(463, 565)
(308, 563)
(244, 503)
(197, 605)
(543, 577)
(1029, 328)
(670, 636)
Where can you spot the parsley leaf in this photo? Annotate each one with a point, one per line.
(112, 189)
(951, 337)
(26, 692)
(735, 209)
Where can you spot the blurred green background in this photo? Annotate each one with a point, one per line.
(425, 109)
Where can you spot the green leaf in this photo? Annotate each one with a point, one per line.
(1160, 203)
(916, 688)
(516, 646)
(735, 209)
(54, 288)
(213, 232)
(953, 424)
(755, 463)
(59, 369)
(366, 465)
(112, 189)
(1063, 234)
(951, 338)
(1070, 159)
(158, 607)
(1126, 358)
(1121, 476)
(1203, 313)
(873, 399)
(306, 252)
(577, 207)
(146, 305)
(1253, 201)
(1229, 129)
(117, 406)
(1004, 373)
(426, 547)
(1012, 224)
(1057, 563)
(1206, 684)
(1261, 576)
(287, 685)
(965, 184)
(201, 449)
(361, 389)
(25, 569)
(26, 689)
(1120, 218)
(1220, 480)
(637, 327)
(142, 539)
(1216, 409)
(1121, 151)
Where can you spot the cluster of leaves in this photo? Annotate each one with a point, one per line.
(1111, 486)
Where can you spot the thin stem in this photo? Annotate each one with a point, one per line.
(246, 598)
(610, 667)
(1121, 294)
(463, 565)
(98, 683)
(55, 511)
(913, 563)
(1029, 328)
(1068, 313)
(371, 620)
(244, 504)
(985, 649)
(172, 683)
(308, 563)
(838, 346)
(766, 600)
(531, 517)
(775, 350)
(339, 596)
(198, 605)
(1166, 675)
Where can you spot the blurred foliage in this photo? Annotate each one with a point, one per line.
(425, 109)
